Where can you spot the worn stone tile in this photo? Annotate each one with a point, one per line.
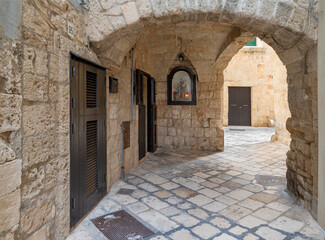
(232, 185)
(199, 213)
(239, 194)
(205, 231)
(251, 204)
(266, 214)
(174, 200)
(200, 200)
(287, 224)
(137, 207)
(153, 178)
(158, 221)
(169, 185)
(202, 175)
(251, 237)
(269, 234)
(185, 219)
(182, 235)
(237, 230)
(264, 197)
(170, 211)
(154, 202)
(163, 194)
(187, 196)
(184, 192)
(226, 200)
(215, 206)
(278, 206)
(235, 212)
(209, 193)
(224, 236)
(220, 223)
(148, 187)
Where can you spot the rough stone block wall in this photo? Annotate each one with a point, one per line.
(46, 46)
(119, 110)
(34, 90)
(10, 118)
(261, 69)
(189, 127)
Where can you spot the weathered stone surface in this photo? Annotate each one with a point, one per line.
(41, 234)
(130, 12)
(10, 177)
(10, 115)
(35, 217)
(35, 88)
(38, 119)
(10, 72)
(9, 210)
(37, 149)
(33, 182)
(33, 20)
(6, 152)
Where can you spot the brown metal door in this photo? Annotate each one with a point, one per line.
(239, 113)
(88, 137)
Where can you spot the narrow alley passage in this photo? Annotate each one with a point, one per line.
(236, 194)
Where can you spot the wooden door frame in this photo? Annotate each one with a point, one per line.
(74, 137)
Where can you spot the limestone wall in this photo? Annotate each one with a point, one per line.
(35, 93)
(261, 69)
(189, 127)
(10, 119)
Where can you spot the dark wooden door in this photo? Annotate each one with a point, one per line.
(88, 138)
(140, 78)
(152, 116)
(142, 131)
(239, 106)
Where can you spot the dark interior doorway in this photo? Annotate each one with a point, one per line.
(239, 106)
(146, 101)
(88, 137)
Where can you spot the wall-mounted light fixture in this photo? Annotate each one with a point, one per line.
(181, 57)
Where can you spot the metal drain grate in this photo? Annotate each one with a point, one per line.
(125, 191)
(121, 226)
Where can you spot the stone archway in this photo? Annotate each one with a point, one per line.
(115, 28)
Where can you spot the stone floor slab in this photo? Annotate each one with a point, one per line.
(203, 195)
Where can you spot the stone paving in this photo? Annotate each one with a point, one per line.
(236, 194)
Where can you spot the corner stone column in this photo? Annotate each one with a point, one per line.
(321, 116)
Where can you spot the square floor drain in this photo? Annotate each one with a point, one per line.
(121, 226)
(125, 191)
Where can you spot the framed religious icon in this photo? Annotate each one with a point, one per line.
(181, 87)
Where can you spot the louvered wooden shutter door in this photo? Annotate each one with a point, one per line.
(91, 89)
(88, 138)
(91, 157)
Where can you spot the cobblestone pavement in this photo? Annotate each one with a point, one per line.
(235, 136)
(236, 194)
